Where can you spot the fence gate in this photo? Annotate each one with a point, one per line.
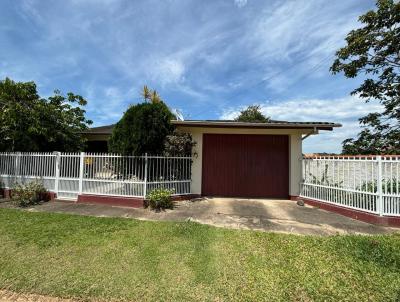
(25, 167)
(67, 175)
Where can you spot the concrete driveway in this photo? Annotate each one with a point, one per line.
(255, 214)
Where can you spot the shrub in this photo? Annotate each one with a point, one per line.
(1, 189)
(29, 194)
(142, 129)
(388, 186)
(159, 199)
(179, 144)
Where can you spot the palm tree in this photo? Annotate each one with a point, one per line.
(155, 97)
(146, 93)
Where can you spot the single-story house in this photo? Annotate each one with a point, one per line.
(237, 159)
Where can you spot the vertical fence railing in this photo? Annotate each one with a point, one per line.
(390, 188)
(366, 183)
(25, 167)
(57, 172)
(70, 174)
(379, 192)
(146, 168)
(68, 181)
(113, 174)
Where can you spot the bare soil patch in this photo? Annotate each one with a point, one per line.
(7, 296)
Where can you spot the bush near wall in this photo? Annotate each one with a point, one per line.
(160, 199)
(29, 194)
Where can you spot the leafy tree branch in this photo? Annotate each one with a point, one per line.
(374, 51)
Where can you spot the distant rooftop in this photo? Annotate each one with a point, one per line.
(100, 130)
(272, 124)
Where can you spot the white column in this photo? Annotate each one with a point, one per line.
(197, 161)
(82, 157)
(295, 164)
(379, 205)
(145, 177)
(57, 172)
(17, 169)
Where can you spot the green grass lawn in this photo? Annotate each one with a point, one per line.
(114, 258)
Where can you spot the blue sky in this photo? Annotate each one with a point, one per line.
(207, 58)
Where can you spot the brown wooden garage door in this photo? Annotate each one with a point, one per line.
(245, 165)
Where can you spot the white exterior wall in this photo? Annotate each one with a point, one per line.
(295, 152)
(295, 166)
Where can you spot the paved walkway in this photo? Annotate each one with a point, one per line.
(256, 214)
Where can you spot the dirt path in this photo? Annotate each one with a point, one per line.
(9, 296)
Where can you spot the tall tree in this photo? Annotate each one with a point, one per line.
(63, 119)
(144, 127)
(374, 50)
(31, 123)
(252, 114)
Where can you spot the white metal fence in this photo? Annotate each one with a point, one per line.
(366, 183)
(70, 174)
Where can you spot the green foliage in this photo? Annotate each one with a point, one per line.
(31, 123)
(159, 199)
(179, 144)
(373, 50)
(252, 114)
(29, 194)
(142, 129)
(389, 186)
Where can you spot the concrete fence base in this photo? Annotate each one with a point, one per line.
(134, 202)
(122, 201)
(392, 221)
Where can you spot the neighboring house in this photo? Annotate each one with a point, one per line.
(97, 138)
(236, 159)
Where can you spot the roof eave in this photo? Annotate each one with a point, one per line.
(95, 133)
(326, 126)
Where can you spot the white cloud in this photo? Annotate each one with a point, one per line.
(345, 110)
(288, 28)
(302, 33)
(30, 13)
(197, 56)
(166, 70)
(240, 3)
